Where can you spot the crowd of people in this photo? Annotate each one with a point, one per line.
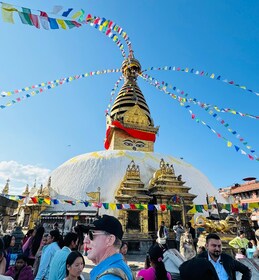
(49, 256)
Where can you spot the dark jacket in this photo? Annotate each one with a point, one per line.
(198, 269)
(231, 266)
(25, 273)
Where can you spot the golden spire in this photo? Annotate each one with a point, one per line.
(26, 192)
(130, 94)
(6, 188)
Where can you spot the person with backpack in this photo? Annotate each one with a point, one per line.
(104, 242)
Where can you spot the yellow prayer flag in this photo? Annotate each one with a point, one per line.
(7, 12)
(211, 199)
(205, 207)
(61, 22)
(77, 14)
(112, 206)
(94, 195)
(212, 76)
(193, 210)
(47, 200)
(229, 144)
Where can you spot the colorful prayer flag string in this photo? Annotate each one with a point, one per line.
(40, 19)
(195, 208)
(204, 74)
(193, 116)
(163, 86)
(49, 85)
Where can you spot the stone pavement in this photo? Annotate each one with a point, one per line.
(136, 262)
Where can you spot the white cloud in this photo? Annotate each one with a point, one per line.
(20, 175)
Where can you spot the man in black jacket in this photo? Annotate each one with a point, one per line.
(225, 266)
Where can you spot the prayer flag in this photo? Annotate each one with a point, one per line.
(44, 20)
(25, 16)
(53, 23)
(35, 20)
(7, 12)
(62, 24)
(66, 13)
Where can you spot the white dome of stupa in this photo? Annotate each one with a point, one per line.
(106, 169)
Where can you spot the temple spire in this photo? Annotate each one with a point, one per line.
(6, 187)
(129, 125)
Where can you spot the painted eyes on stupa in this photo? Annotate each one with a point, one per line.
(134, 144)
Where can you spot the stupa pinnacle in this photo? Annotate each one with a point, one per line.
(129, 125)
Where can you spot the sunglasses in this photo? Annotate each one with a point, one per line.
(92, 234)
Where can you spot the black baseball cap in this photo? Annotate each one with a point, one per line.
(109, 224)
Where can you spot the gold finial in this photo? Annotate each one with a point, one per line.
(6, 188)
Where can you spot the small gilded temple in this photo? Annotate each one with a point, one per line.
(129, 172)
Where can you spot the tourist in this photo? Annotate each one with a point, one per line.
(240, 241)
(241, 254)
(187, 249)
(192, 231)
(44, 241)
(104, 238)
(178, 229)
(251, 248)
(162, 235)
(157, 269)
(57, 269)
(20, 271)
(32, 245)
(55, 244)
(75, 264)
(198, 269)
(9, 242)
(225, 266)
(124, 250)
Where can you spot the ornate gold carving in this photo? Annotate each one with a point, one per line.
(223, 226)
(136, 116)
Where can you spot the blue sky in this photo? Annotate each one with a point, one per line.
(42, 132)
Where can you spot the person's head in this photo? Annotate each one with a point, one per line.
(241, 233)
(104, 238)
(242, 251)
(29, 233)
(71, 240)
(54, 236)
(44, 240)
(124, 248)
(74, 264)
(55, 226)
(9, 241)
(201, 249)
(156, 260)
(197, 269)
(250, 245)
(20, 262)
(213, 245)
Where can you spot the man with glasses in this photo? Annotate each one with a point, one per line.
(104, 242)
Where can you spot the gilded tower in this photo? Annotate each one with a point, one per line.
(129, 125)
